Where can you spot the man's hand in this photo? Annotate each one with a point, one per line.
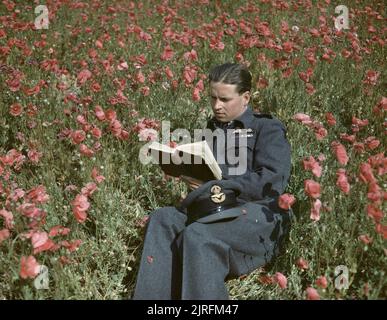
(192, 182)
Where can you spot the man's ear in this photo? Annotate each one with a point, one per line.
(246, 97)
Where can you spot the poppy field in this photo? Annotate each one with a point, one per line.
(85, 84)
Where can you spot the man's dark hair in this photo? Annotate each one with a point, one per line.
(232, 73)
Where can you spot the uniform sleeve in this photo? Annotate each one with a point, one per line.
(271, 165)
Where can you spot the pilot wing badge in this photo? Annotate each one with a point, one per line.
(217, 195)
(244, 133)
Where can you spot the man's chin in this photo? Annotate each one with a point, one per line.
(221, 118)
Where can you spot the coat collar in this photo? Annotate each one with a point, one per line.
(245, 120)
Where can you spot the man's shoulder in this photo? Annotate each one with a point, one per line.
(268, 121)
(266, 118)
(262, 115)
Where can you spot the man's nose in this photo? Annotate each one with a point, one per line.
(218, 104)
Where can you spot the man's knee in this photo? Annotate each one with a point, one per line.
(197, 235)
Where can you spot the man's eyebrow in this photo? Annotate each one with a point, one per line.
(212, 95)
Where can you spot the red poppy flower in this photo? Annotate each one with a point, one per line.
(288, 46)
(320, 132)
(58, 230)
(89, 189)
(145, 91)
(96, 176)
(262, 83)
(29, 267)
(372, 143)
(315, 210)
(340, 152)
(347, 137)
(99, 113)
(38, 194)
(139, 77)
(375, 213)
(310, 55)
(342, 181)
(280, 279)
(306, 76)
(365, 239)
(380, 107)
(196, 94)
(313, 165)
(356, 122)
(48, 244)
(15, 110)
(345, 53)
(32, 91)
(359, 147)
(322, 282)
(286, 200)
(371, 77)
(115, 127)
(381, 229)
(32, 110)
(122, 66)
(191, 55)
(262, 29)
(303, 118)
(366, 174)
(99, 44)
(78, 136)
(167, 53)
(83, 76)
(189, 74)
(85, 150)
(80, 205)
(168, 72)
(312, 294)
(13, 84)
(286, 73)
(71, 245)
(96, 132)
(312, 188)
(330, 119)
(4, 235)
(8, 217)
(265, 279)
(110, 115)
(302, 263)
(374, 192)
(30, 210)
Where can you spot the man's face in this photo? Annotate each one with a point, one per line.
(227, 104)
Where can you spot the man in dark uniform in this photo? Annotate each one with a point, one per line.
(224, 228)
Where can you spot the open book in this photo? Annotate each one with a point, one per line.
(195, 160)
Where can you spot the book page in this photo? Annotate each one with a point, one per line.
(199, 152)
(196, 148)
(161, 147)
(202, 150)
